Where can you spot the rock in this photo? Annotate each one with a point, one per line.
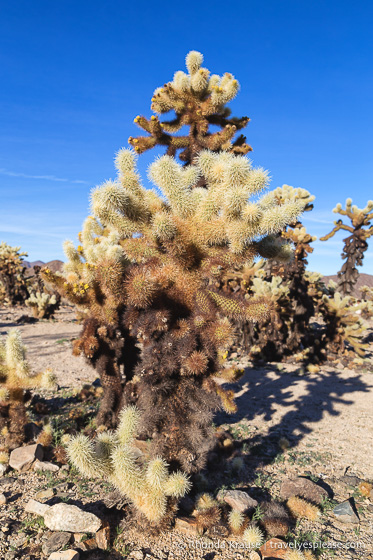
(45, 466)
(55, 542)
(78, 537)
(237, 499)
(3, 500)
(136, 555)
(103, 536)
(304, 488)
(18, 540)
(274, 548)
(351, 480)
(45, 494)
(65, 517)
(33, 506)
(89, 544)
(22, 458)
(186, 526)
(3, 469)
(345, 513)
(254, 556)
(115, 499)
(65, 555)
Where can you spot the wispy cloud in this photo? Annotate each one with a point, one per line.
(41, 177)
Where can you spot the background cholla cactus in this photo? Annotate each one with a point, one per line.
(13, 282)
(15, 377)
(199, 101)
(149, 487)
(344, 327)
(287, 331)
(355, 244)
(42, 304)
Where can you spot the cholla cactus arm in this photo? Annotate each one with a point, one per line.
(147, 486)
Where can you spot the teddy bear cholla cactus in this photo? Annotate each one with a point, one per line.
(13, 283)
(199, 101)
(148, 485)
(42, 304)
(355, 244)
(15, 377)
(344, 327)
(146, 270)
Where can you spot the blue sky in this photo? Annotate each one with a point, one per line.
(74, 75)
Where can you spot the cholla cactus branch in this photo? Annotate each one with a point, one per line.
(148, 485)
(199, 101)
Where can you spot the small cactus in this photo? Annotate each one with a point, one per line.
(13, 281)
(15, 377)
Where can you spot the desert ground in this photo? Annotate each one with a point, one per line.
(325, 418)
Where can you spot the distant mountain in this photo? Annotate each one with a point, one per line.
(54, 266)
(29, 264)
(363, 280)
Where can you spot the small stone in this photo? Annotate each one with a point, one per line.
(351, 480)
(345, 513)
(103, 536)
(136, 555)
(237, 499)
(114, 499)
(304, 488)
(274, 548)
(18, 540)
(78, 537)
(65, 517)
(33, 506)
(186, 526)
(65, 555)
(45, 494)
(22, 458)
(45, 466)
(3, 469)
(55, 542)
(3, 500)
(254, 556)
(89, 544)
